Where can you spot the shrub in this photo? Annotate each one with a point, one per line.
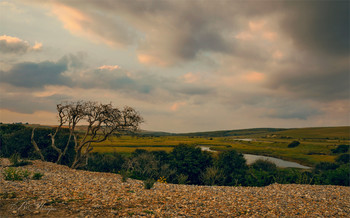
(325, 166)
(259, 178)
(233, 166)
(125, 175)
(341, 149)
(182, 179)
(190, 161)
(142, 166)
(343, 159)
(212, 176)
(107, 162)
(264, 165)
(37, 176)
(293, 144)
(148, 183)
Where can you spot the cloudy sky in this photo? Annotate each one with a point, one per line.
(185, 65)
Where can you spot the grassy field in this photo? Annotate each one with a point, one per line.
(315, 143)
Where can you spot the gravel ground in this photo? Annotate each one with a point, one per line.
(64, 192)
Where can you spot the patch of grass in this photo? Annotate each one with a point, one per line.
(315, 144)
(13, 174)
(37, 176)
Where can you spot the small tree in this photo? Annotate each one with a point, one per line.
(101, 121)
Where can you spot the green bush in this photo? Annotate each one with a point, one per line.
(142, 166)
(233, 166)
(106, 162)
(259, 178)
(341, 149)
(343, 159)
(181, 179)
(15, 138)
(325, 166)
(293, 144)
(264, 165)
(190, 161)
(212, 176)
(261, 173)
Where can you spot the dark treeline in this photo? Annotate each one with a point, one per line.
(184, 165)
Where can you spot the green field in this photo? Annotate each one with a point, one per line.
(315, 147)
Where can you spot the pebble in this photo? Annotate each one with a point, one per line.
(65, 192)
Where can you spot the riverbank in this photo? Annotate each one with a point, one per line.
(64, 192)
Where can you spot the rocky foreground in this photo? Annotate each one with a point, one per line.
(64, 192)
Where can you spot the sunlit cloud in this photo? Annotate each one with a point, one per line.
(254, 77)
(15, 45)
(231, 64)
(176, 106)
(150, 59)
(109, 67)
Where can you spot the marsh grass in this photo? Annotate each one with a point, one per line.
(316, 144)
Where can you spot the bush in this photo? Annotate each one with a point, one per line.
(343, 159)
(190, 161)
(264, 165)
(181, 179)
(341, 149)
(15, 138)
(212, 176)
(325, 166)
(233, 166)
(141, 166)
(108, 162)
(293, 144)
(259, 177)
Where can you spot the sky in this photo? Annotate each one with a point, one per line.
(184, 65)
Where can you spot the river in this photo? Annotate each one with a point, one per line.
(251, 158)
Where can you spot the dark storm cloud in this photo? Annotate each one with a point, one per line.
(318, 26)
(318, 79)
(39, 74)
(35, 75)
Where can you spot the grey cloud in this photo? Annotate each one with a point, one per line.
(181, 31)
(318, 26)
(35, 75)
(291, 110)
(314, 80)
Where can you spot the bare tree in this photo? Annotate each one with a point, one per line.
(101, 121)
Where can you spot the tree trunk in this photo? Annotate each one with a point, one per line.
(36, 147)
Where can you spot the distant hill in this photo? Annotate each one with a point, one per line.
(239, 132)
(341, 132)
